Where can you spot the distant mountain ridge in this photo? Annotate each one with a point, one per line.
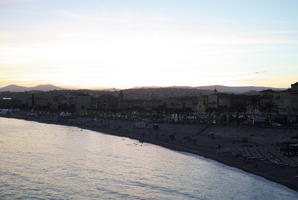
(237, 89)
(218, 88)
(184, 90)
(17, 88)
(151, 93)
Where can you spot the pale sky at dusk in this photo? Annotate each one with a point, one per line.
(126, 43)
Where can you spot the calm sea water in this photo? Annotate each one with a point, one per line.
(41, 161)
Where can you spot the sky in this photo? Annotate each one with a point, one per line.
(133, 43)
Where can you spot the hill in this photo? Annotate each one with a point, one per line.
(237, 89)
(17, 88)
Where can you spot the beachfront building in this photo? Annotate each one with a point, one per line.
(202, 103)
(82, 104)
(286, 104)
(294, 87)
(294, 96)
(287, 101)
(219, 101)
(283, 101)
(214, 102)
(8, 103)
(182, 104)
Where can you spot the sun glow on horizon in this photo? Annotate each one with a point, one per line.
(125, 49)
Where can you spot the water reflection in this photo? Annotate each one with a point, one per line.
(49, 161)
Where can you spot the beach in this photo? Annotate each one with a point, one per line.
(252, 149)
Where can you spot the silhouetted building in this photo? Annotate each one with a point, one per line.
(82, 105)
(294, 87)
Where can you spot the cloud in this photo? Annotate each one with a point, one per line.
(122, 17)
(15, 1)
(267, 81)
(278, 32)
(131, 48)
(260, 72)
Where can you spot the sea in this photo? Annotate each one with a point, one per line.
(46, 161)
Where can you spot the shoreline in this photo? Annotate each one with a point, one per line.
(203, 145)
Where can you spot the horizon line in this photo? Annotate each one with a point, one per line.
(68, 87)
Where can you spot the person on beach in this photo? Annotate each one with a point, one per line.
(218, 150)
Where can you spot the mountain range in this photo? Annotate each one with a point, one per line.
(219, 88)
(183, 91)
(237, 89)
(17, 88)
